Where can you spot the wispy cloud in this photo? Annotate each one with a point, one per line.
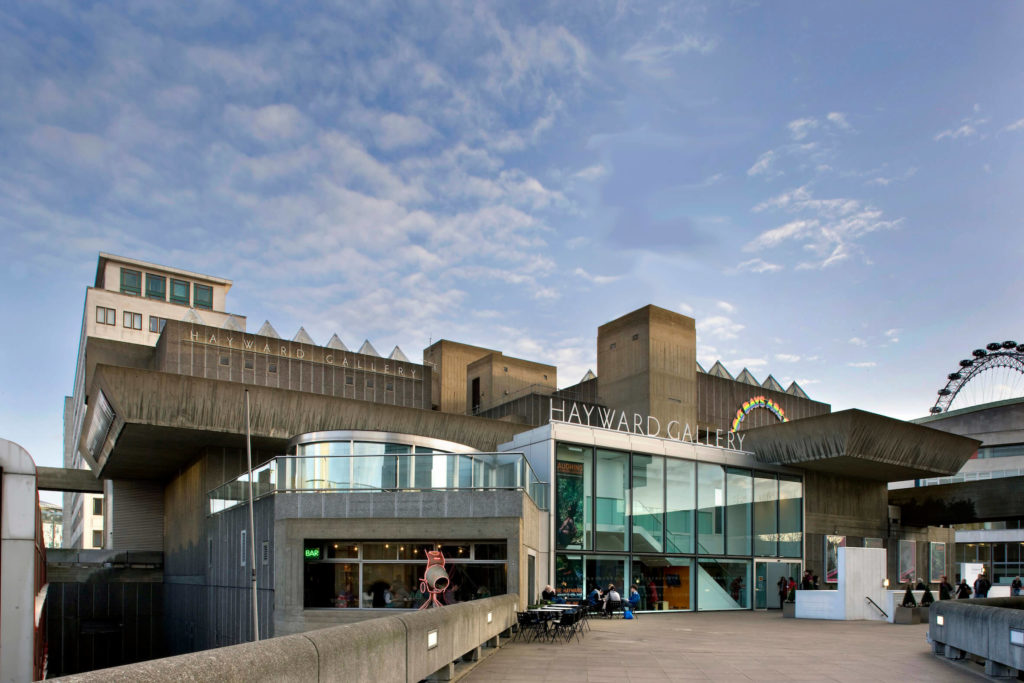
(758, 265)
(801, 128)
(857, 341)
(719, 327)
(787, 357)
(763, 165)
(596, 279)
(1016, 125)
(838, 119)
(968, 128)
(863, 364)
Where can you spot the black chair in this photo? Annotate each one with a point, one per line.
(566, 624)
(529, 626)
(612, 607)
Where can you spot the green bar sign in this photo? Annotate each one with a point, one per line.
(312, 553)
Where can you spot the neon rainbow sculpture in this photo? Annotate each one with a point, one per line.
(758, 402)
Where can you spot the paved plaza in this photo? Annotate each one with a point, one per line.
(728, 646)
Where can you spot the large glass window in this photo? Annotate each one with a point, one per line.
(156, 287)
(679, 499)
(648, 503)
(203, 296)
(723, 584)
(376, 472)
(568, 578)
(180, 291)
(573, 497)
(766, 511)
(739, 497)
(791, 500)
(386, 574)
(131, 281)
(663, 582)
(606, 571)
(710, 508)
(612, 480)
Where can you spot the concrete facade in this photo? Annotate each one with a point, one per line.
(496, 378)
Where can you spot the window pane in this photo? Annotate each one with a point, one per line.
(111, 316)
(568, 578)
(605, 571)
(203, 296)
(723, 584)
(680, 504)
(739, 496)
(126, 319)
(573, 500)
(663, 582)
(101, 315)
(766, 510)
(648, 502)
(131, 281)
(156, 287)
(790, 516)
(612, 478)
(710, 504)
(179, 292)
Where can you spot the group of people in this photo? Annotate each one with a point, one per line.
(610, 598)
(808, 582)
(963, 591)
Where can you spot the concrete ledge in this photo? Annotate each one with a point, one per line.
(980, 628)
(390, 649)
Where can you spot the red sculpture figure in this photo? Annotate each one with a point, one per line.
(435, 578)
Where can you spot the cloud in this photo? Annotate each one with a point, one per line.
(686, 308)
(964, 131)
(270, 123)
(763, 165)
(801, 128)
(864, 364)
(838, 120)
(857, 341)
(892, 336)
(1016, 125)
(725, 306)
(397, 130)
(596, 279)
(719, 327)
(787, 357)
(746, 363)
(758, 265)
(591, 173)
(884, 181)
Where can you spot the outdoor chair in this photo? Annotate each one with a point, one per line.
(567, 624)
(528, 626)
(612, 607)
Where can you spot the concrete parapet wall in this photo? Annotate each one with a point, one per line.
(393, 648)
(979, 627)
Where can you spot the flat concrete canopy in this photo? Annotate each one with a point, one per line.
(968, 501)
(727, 646)
(163, 420)
(855, 443)
(69, 480)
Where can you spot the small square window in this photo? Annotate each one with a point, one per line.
(369, 383)
(106, 316)
(156, 324)
(97, 506)
(349, 380)
(156, 287)
(248, 363)
(203, 296)
(131, 281)
(132, 321)
(97, 539)
(271, 367)
(635, 337)
(179, 292)
(389, 387)
(225, 360)
(611, 347)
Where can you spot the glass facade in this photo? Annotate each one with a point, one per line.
(386, 574)
(683, 532)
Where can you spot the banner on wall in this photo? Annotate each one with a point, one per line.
(569, 577)
(936, 561)
(569, 505)
(832, 546)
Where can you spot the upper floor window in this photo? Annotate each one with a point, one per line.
(97, 506)
(106, 316)
(131, 281)
(156, 287)
(179, 291)
(156, 324)
(203, 296)
(132, 321)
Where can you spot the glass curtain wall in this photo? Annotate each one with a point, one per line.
(574, 469)
(791, 505)
(648, 503)
(664, 583)
(766, 515)
(681, 492)
(723, 584)
(710, 508)
(612, 480)
(738, 512)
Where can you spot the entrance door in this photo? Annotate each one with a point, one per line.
(766, 581)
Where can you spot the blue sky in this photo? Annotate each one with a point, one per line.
(832, 189)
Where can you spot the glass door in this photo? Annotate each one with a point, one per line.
(767, 577)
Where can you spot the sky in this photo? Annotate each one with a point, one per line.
(833, 190)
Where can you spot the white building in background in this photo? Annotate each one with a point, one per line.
(52, 518)
(130, 302)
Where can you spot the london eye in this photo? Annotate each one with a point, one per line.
(993, 373)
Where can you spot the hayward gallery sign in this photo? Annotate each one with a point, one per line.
(635, 423)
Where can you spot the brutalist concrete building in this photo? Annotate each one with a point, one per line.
(699, 487)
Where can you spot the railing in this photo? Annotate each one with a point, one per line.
(384, 473)
(877, 607)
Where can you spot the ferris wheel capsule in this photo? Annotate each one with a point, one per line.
(980, 353)
(1009, 344)
(994, 346)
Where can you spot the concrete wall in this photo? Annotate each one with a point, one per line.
(981, 628)
(455, 515)
(18, 505)
(719, 398)
(390, 650)
(502, 377)
(855, 508)
(994, 424)
(449, 361)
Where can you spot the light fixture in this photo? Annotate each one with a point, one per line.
(386, 546)
(940, 620)
(885, 583)
(1017, 637)
(490, 617)
(431, 639)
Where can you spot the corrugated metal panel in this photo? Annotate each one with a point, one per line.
(138, 515)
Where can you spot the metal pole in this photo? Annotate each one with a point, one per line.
(252, 528)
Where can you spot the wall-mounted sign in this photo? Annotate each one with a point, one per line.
(312, 553)
(589, 415)
(758, 402)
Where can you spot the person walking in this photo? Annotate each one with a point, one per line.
(963, 591)
(1015, 587)
(783, 585)
(945, 588)
(981, 586)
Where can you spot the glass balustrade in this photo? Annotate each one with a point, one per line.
(387, 472)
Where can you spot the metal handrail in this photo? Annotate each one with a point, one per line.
(876, 606)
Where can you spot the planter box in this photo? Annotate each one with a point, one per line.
(922, 614)
(789, 609)
(905, 615)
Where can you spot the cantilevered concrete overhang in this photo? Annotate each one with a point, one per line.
(855, 443)
(162, 421)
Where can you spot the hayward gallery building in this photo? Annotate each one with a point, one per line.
(700, 488)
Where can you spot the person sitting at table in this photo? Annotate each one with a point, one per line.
(612, 599)
(594, 597)
(548, 593)
(634, 598)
